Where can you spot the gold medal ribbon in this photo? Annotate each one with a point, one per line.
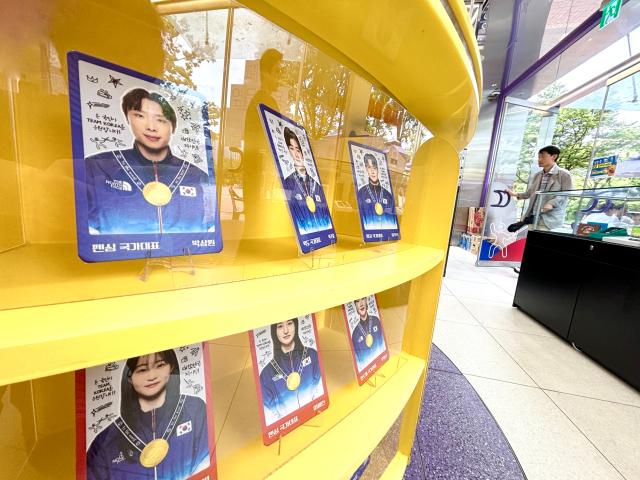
(368, 337)
(377, 200)
(154, 192)
(155, 451)
(311, 204)
(295, 377)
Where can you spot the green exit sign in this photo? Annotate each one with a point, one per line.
(610, 12)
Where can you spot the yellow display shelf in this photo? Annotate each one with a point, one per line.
(236, 413)
(80, 334)
(46, 274)
(59, 314)
(396, 468)
(344, 431)
(355, 434)
(383, 397)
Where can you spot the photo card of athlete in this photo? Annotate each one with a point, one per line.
(142, 163)
(366, 336)
(149, 416)
(289, 375)
(298, 172)
(374, 192)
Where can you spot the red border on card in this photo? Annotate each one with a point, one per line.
(212, 470)
(209, 473)
(372, 367)
(298, 417)
(81, 426)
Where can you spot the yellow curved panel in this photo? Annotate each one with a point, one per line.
(464, 22)
(410, 48)
(77, 335)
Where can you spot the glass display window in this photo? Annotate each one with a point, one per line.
(233, 60)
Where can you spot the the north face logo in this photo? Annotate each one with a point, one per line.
(119, 185)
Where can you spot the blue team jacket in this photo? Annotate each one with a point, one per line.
(296, 192)
(112, 457)
(364, 354)
(115, 204)
(277, 399)
(367, 197)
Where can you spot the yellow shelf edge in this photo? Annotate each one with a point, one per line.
(77, 335)
(347, 444)
(396, 468)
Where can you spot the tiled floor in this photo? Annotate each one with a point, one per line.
(564, 415)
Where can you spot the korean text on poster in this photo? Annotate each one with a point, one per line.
(143, 165)
(289, 375)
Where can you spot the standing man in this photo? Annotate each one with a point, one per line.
(551, 178)
(265, 213)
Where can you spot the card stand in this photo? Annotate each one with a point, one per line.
(373, 381)
(183, 263)
(312, 423)
(321, 257)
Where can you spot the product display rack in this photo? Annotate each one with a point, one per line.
(58, 314)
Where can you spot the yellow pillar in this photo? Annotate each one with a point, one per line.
(428, 214)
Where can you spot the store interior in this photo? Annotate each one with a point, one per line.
(474, 380)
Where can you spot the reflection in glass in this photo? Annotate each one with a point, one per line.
(619, 133)
(17, 424)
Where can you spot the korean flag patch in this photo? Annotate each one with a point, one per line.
(187, 191)
(183, 428)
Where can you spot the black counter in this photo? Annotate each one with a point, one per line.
(588, 292)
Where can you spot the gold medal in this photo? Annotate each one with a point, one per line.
(154, 452)
(311, 205)
(293, 381)
(369, 340)
(379, 209)
(156, 193)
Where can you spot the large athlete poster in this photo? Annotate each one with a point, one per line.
(289, 375)
(374, 193)
(300, 180)
(147, 417)
(143, 165)
(366, 336)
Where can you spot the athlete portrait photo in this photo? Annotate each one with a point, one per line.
(157, 430)
(304, 193)
(143, 165)
(374, 193)
(300, 180)
(289, 372)
(146, 188)
(366, 336)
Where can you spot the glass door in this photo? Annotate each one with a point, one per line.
(525, 128)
